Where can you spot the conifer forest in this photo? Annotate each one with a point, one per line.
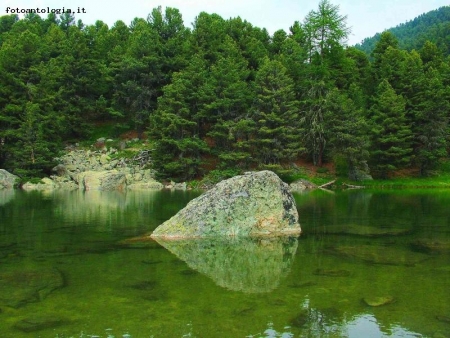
(224, 94)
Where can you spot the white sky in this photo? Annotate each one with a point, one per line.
(365, 17)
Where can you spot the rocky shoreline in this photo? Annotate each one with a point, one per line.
(96, 170)
(105, 170)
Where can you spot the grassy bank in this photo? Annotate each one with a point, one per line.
(440, 181)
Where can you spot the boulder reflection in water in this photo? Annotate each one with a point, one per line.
(250, 265)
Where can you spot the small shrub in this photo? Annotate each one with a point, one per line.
(322, 170)
(341, 166)
(215, 176)
(444, 167)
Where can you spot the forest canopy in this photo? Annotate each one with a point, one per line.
(224, 93)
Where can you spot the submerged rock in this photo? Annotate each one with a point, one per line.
(331, 273)
(300, 320)
(19, 287)
(444, 319)
(255, 204)
(250, 265)
(376, 254)
(37, 323)
(432, 246)
(145, 285)
(378, 301)
(7, 180)
(362, 230)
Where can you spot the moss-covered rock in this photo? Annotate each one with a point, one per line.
(102, 180)
(254, 204)
(7, 180)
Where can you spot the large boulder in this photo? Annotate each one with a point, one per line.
(102, 180)
(148, 185)
(254, 204)
(7, 180)
(45, 184)
(302, 185)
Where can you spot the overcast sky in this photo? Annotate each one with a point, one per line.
(364, 17)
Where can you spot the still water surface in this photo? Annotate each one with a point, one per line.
(65, 270)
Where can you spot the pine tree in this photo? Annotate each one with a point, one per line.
(276, 115)
(391, 135)
(175, 127)
(431, 120)
(313, 121)
(228, 104)
(346, 131)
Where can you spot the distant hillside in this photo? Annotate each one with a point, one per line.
(433, 26)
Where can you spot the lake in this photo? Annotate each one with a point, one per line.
(368, 264)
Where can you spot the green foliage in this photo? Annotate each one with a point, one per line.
(346, 130)
(341, 165)
(391, 135)
(322, 170)
(444, 166)
(225, 95)
(276, 115)
(432, 26)
(215, 176)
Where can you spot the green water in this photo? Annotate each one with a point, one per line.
(65, 266)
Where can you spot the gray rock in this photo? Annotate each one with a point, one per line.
(7, 180)
(147, 174)
(150, 185)
(46, 184)
(180, 186)
(102, 180)
(104, 159)
(301, 185)
(60, 170)
(128, 177)
(357, 174)
(257, 204)
(113, 163)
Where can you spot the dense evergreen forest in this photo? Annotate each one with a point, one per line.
(433, 26)
(222, 94)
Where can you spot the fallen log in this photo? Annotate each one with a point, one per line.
(326, 184)
(351, 186)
